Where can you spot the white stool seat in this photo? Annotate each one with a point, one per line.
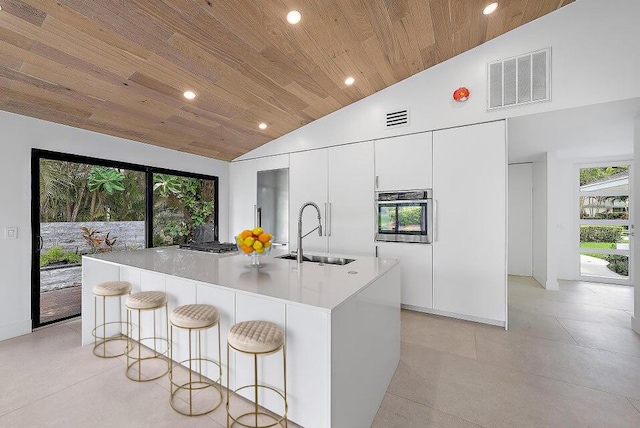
(147, 300)
(256, 336)
(112, 288)
(194, 316)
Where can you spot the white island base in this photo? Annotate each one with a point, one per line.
(342, 323)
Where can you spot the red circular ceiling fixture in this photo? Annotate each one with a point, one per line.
(461, 94)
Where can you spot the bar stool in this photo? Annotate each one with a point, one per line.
(257, 338)
(195, 318)
(106, 290)
(147, 301)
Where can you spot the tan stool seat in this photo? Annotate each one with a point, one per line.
(112, 288)
(147, 300)
(194, 316)
(256, 336)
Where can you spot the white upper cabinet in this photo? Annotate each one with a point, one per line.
(469, 250)
(308, 173)
(405, 162)
(351, 200)
(243, 178)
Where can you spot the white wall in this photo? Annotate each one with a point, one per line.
(565, 206)
(595, 59)
(520, 237)
(19, 135)
(635, 320)
(540, 220)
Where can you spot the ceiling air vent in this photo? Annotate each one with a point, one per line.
(397, 118)
(520, 80)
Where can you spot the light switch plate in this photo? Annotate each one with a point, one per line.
(10, 233)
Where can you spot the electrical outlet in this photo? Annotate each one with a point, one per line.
(10, 233)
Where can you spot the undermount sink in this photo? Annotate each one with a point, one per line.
(327, 260)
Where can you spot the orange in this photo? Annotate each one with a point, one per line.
(246, 233)
(247, 250)
(264, 237)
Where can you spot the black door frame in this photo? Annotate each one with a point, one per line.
(38, 154)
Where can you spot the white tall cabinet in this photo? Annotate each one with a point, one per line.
(340, 181)
(469, 252)
(243, 196)
(404, 162)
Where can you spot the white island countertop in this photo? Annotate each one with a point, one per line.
(324, 287)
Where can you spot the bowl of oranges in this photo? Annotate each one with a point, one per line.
(254, 243)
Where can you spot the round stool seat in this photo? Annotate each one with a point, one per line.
(194, 316)
(256, 337)
(147, 300)
(112, 288)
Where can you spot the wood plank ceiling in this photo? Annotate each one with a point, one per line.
(120, 67)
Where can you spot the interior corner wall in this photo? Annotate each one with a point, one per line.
(585, 70)
(540, 220)
(520, 235)
(19, 135)
(635, 320)
(566, 227)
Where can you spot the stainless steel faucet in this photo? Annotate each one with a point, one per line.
(300, 256)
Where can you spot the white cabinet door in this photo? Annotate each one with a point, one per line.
(308, 183)
(242, 197)
(351, 200)
(404, 163)
(469, 253)
(416, 268)
(243, 178)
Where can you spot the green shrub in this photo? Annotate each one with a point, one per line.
(618, 264)
(57, 255)
(411, 216)
(601, 233)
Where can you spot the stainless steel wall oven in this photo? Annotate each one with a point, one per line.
(405, 216)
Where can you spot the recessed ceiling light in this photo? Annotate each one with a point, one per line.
(189, 95)
(349, 81)
(294, 17)
(262, 126)
(491, 8)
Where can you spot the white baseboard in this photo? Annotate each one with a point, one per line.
(635, 324)
(454, 315)
(15, 330)
(552, 285)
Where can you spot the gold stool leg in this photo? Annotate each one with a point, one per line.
(228, 385)
(255, 384)
(286, 405)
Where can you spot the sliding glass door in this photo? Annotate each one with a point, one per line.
(86, 206)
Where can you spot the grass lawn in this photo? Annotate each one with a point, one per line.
(607, 245)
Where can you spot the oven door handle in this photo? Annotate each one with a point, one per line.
(413, 201)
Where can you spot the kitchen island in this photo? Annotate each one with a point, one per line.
(342, 323)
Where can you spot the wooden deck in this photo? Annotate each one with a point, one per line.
(61, 303)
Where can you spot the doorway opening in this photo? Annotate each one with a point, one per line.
(605, 228)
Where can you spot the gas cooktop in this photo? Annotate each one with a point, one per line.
(210, 247)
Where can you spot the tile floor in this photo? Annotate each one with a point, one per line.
(569, 359)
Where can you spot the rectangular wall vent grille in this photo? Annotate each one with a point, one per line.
(519, 80)
(397, 118)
